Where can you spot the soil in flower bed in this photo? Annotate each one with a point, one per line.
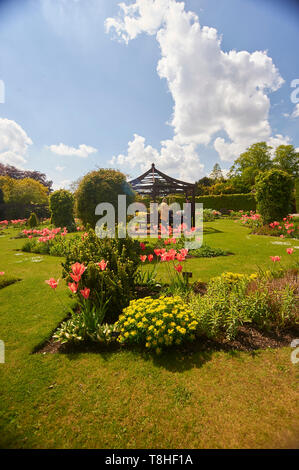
(248, 339)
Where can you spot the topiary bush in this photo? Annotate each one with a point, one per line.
(117, 281)
(62, 209)
(97, 187)
(33, 220)
(274, 192)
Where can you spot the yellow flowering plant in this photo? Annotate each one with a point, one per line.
(157, 323)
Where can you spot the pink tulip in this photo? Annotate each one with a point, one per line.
(275, 258)
(102, 264)
(290, 251)
(52, 283)
(178, 268)
(73, 287)
(85, 292)
(143, 258)
(2, 273)
(78, 269)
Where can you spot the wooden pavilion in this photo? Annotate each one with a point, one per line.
(154, 183)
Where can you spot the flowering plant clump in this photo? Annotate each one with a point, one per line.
(232, 278)
(157, 323)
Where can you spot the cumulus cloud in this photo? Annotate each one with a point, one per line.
(220, 98)
(14, 143)
(64, 184)
(173, 158)
(59, 168)
(64, 150)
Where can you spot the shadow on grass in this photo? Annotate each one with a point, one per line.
(211, 230)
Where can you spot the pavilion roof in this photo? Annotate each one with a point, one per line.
(154, 182)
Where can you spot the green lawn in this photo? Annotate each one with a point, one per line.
(126, 399)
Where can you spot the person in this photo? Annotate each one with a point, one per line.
(164, 213)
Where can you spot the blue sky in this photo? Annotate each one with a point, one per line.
(69, 82)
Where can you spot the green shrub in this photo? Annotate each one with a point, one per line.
(274, 190)
(97, 187)
(75, 330)
(219, 312)
(267, 301)
(62, 209)
(205, 251)
(118, 279)
(156, 323)
(235, 202)
(33, 220)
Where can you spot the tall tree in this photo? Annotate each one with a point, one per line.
(287, 158)
(216, 173)
(16, 173)
(256, 159)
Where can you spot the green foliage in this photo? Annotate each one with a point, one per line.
(256, 159)
(266, 301)
(157, 323)
(33, 220)
(234, 202)
(274, 190)
(59, 246)
(1, 196)
(7, 280)
(23, 191)
(62, 209)
(205, 251)
(97, 187)
(75, 330)
(287, 159)
(118, 280)
(219, 312)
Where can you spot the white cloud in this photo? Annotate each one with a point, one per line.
(173, 158)
(14, 143)
(214, 92)
(64, 184)
(64, 150)
(59, 168)
(295, 113)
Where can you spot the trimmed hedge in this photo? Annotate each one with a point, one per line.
(14, 210)
(233, 202)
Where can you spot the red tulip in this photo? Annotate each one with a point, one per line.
(75, 277)
(178, 268)
(52, 283)
(85, 292)
(78, 269)
(142, 246)
(102, 264)
(275, 258)
(150, 258)
(157, 251)
(73, 287)
(143, 258)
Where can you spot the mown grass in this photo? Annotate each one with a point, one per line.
(126, 399)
